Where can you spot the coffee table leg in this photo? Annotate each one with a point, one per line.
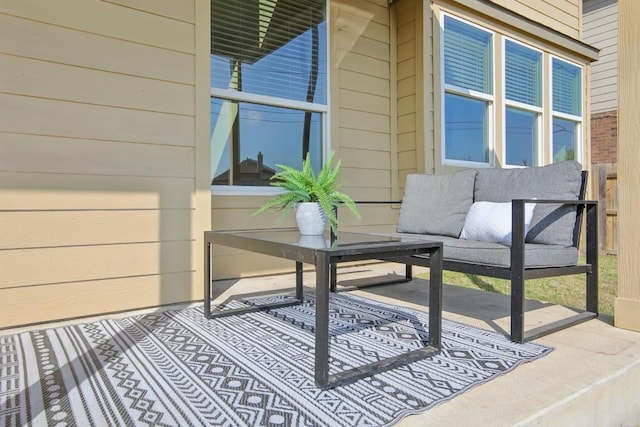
(299, 281)
(435, 298)
(322, 320)
(207, 279)
(334, 277)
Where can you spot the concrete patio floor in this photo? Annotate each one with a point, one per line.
(592, 378)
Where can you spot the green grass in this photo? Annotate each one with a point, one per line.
(563, 290)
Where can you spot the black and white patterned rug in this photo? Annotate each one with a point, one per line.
(175, 368)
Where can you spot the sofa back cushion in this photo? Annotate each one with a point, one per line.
(436, 204)
(551, 223)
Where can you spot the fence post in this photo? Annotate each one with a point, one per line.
(603, 188)
(602, 207)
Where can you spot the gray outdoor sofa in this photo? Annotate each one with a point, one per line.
(545, 206)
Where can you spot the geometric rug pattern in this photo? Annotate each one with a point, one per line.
(176, 368)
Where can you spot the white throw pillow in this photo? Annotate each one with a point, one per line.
(491, 222)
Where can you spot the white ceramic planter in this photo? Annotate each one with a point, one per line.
(313, 241)
(310, 218)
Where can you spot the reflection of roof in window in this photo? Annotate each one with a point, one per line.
(248, 30)
(252, 172)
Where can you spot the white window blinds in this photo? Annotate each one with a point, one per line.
(523, 74)
(567, 87)
(270, 47)
(467, 56)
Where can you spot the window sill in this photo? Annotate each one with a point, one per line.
(230, 190)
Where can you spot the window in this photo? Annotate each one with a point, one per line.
(537, 107)
(268, 87)
(567, 110)
(468, 97)
(523, 104)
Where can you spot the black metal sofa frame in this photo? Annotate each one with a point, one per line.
(518, 273)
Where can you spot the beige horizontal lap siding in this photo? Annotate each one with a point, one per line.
(360, 134)
(47, 302)
(32, 38)
(415, 91)
(236, 213)
(408, 137)
(44, 266)
(601, 30)
(98, 168)
(560, 15)
(363, 107)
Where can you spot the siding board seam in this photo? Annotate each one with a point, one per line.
(97, 279)
(148, 12)
(98, 105)
(88, 138)
(102, 70)
(102, 35)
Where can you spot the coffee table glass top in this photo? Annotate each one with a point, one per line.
(291, 236)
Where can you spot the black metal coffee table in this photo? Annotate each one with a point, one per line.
(325, 255)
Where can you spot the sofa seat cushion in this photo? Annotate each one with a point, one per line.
(498, 255)
(436, 204)
(551, 224)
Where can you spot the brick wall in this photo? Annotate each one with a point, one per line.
(604, 137)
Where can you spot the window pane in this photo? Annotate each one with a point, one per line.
(564, 140)
(270, 47)
(248, 140)
(523, 71)
(522, 137)
(467, 56)
(466, 129)
(275, 48)
(567, 88)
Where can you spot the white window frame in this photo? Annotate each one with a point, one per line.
(539, 111)
(579, 150)
(490, 99)
(323, 109)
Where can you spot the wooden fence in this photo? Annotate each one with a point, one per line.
(604, 179)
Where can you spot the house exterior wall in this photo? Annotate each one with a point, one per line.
(415, 116)
(361, 132)
(601, 30)
(104, 143)
(419, 64)
(604, 137)
(563, 16)
(101, 207)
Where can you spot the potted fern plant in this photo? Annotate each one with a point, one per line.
(314, 197)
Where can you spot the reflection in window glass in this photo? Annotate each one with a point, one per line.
(468, 56)
(523, 74)
(468, 79)
(275, 49)
(567, 109)
(532, 99)
(254, 138)
(521, 137)
(269, 47)
(466, 133)
(564, 139)
(567, 88)
(523, 99)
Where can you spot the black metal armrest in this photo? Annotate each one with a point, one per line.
(518, 228)
(558, 201)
